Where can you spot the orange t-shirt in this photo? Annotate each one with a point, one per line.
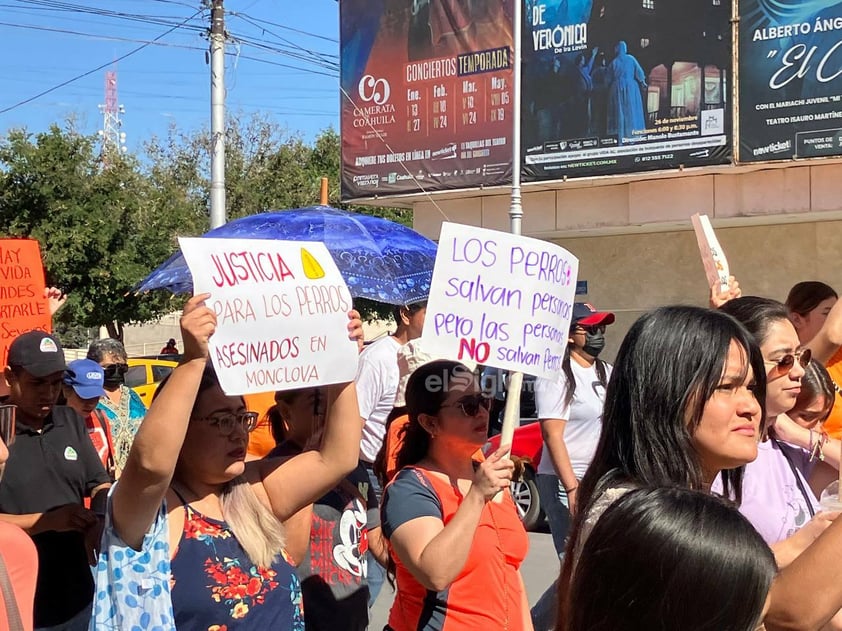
(21, 560)
(261, 441)
(487, 593)
(833, 424)
(394, 442)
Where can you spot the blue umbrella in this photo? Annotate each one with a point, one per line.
(379, 259)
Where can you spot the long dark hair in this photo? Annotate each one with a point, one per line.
(668, 366)
(756, 314)
(675, 557)
(426, 391)
(806, 296)
(600, 366)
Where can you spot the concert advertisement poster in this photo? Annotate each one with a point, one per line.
(790, 79)
(620, 86)
(426, 95)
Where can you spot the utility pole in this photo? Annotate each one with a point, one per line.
(217, 55)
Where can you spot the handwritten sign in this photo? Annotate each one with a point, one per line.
(713, 257)
(500, 300)
(281, 310)
(23, 306)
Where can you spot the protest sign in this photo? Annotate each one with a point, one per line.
(713, 257)
(281, 310)
(501, 300)
(23, 306)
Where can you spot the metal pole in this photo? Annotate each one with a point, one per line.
(511, 415)
(217, 51)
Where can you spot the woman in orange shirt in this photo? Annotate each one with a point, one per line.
(816, 314)
(456, 551)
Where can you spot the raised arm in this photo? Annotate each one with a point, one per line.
(292, 484)
(151, 463)
(436, 553)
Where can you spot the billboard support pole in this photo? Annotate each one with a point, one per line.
(511, 416)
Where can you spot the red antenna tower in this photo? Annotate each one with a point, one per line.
(112, 137)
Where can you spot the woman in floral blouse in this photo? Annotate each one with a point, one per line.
(193, 537)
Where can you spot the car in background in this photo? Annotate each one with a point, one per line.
(145, 373)
(527, 443)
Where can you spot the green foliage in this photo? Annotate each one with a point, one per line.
(104, 227)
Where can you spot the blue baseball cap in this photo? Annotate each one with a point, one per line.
(86, 377)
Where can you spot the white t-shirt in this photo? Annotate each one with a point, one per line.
(377, 386)
(583, 415)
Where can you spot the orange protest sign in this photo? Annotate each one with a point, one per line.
(23, 306)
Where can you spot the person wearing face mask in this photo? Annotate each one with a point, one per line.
(570, 410)
(121, 405)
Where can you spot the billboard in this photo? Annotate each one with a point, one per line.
(790, 89)
(426, 95)
(620, 86)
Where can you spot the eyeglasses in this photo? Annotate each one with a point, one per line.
(112, 370)
(471, 404)
(785, 363)
(590, 328)
(226, 423)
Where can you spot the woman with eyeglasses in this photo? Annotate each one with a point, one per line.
(455, 550)
(193, 537)
(122, 407)
(777, 497)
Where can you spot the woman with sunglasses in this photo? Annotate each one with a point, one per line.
(455, 550)
(193, 537)
(777, 497)
(122, 407)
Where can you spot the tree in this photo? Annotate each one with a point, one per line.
(100, 228)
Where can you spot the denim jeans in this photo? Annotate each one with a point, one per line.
(554, 502)
(376, 572)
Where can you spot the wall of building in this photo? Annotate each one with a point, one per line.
(637, 249)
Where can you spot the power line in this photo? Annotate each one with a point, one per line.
(289, 28)
(155, 42)
(98, 68)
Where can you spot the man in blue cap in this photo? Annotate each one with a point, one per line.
(83, 386)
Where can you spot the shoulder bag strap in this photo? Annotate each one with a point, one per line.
(111, 464)
(13, 620)
(798, 481)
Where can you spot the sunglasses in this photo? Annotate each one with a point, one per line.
(591, 328)
(785, 363)
(112, 370)
(472, 404)
(226, 423)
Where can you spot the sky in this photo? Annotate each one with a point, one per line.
(282, 62)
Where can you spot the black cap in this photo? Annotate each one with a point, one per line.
(38, 353)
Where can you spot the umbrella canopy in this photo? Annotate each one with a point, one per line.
(379, 259)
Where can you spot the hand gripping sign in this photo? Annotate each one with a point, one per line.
(501, 300)
(281, 310)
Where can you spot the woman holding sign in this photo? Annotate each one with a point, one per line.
(193, 537)
(456, 542)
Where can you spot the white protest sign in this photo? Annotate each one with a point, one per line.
(713, 257)
(281, 309)
(501, 300)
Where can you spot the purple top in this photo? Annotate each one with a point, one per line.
(772, 499)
